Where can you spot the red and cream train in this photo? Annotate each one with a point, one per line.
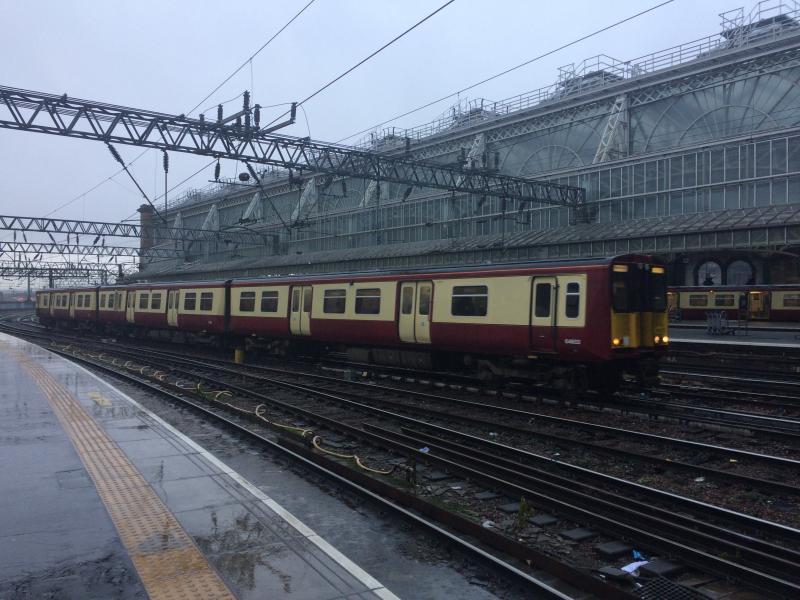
(575, 324)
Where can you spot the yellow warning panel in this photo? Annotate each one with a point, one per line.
(166, 558)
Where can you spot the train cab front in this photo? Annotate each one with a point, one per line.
(639, 317)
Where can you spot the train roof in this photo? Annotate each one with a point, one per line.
(473, 268)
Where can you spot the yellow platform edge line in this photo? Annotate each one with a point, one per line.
(169, 564)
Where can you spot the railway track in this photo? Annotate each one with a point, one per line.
(695, 540)
(508, 469)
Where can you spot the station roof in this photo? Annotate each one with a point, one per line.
(747, 228)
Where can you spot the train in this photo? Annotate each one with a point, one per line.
(753, 302)
(575, 324)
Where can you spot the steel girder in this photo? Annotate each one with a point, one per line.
(9, 268)
(47, 113)
(102, 229)
(88, 250)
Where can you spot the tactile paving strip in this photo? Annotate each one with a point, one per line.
(169, 564)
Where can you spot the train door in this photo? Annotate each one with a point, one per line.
(543, 314)
(172, 307)
(415, 312)
(300, 310)
(71, 304)
(130, 307)
(759, 305)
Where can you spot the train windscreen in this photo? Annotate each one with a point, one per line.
(634, 289)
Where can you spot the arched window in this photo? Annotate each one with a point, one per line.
(709, 273)
(740, 272)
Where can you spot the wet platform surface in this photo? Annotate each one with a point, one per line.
(757, 334)
(102, 499)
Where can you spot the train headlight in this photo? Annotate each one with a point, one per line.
(616, 342)
(665, 339)
(657, 339)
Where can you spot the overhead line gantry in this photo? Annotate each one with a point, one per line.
(244, 140)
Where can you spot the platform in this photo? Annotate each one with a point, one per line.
(774, 337)
(103, 499)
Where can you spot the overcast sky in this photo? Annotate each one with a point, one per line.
(167, 56)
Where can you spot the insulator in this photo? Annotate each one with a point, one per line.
(202, 119)
(166, 161)
(257, 114)
(216, 172)
(245, 100)
(219, 112)
(115, 154)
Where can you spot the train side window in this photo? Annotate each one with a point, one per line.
(155, 301)
(102, 300)
(368, 301)
(87, 302)
(544, 297)
(269, 302)
(247, 302)
(792, 300)
(572, 306)
(724, 300)
(469, 301)
(190, 301)
(144, 299)
(80, 301)
(698, 300)
(296, 300)
(407, 301)
(170, 300)
(206, 300)
(424, 307)
(334, 301)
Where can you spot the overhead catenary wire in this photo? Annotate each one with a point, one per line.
(511, 69)
(146, 150)
(365, 59)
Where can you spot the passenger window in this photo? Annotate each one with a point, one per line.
(698, 300)
(335, 301)
(724, 300)
(368, 301)
(295, 300)
(190, 301)
(102, 300)
(269, 302)
(170, 300)
(544, 294)
(573, 302)
(87, 302)
(788, 300)
(111, 300)
(247, 302)
(424, 307)
(469, 301)
(155, 301)
(407, 301)
(206, 301)
(80, 300)
(144, 299)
